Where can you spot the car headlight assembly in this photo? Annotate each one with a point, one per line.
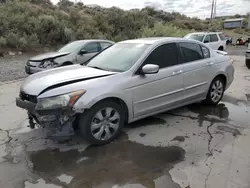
(60, 101)
(48, 64)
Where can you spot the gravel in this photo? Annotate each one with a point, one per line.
(12, 67)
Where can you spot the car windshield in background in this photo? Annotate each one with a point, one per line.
(198, 37)
(71, 47)
(119, 57)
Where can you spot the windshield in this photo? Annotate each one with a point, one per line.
(119, 57)
(198, 37)
(71, 47)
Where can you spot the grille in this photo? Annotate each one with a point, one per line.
(26, 97)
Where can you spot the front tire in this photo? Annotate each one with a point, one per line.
(102, 123)
(215, 92)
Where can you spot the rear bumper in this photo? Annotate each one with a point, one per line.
(230, 76)
(248, 54)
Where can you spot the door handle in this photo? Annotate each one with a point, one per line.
(209, 63)
(177, 72)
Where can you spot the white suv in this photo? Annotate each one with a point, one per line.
(215, 40)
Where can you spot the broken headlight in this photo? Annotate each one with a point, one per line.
(60, 101)
(48, 64)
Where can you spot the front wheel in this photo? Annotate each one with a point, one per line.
(216, 91)
(102, 123)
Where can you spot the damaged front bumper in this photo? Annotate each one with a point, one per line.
(58, 122)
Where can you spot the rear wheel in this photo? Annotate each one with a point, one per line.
(102, 123)
(220, 48)
(248, 63)
(215, 92)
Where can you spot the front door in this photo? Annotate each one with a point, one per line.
(91, 49)
(163, 90)
(197, 72)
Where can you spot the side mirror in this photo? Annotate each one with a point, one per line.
(150, 69)
(206, 41)
(82, 52)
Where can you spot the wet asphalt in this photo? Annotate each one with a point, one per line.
(193, 146)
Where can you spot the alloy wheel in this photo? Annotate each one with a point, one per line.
(105, 123)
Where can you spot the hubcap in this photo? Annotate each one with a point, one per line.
(217, 91)
(105, 123)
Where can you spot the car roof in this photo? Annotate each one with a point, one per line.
(197, 33)
(154, 40)
(93, 40)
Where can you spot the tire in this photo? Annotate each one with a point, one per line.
(220, 48)
(92, 117)
(67, 63)
(210, 98)
(248, 63)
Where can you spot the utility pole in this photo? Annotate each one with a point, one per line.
(215, 3)
(212, 12)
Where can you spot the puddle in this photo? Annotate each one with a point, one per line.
(147, 122)
(219, 110)
(118, 163)
(179, 138)
(40, 184)
(238, 112)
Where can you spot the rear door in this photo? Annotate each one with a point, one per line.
(214, 41)
(91, 49)
(197, 65)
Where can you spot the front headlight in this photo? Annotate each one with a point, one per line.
(61, 101)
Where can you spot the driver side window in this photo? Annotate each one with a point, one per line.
(164, 56)
(93, 47)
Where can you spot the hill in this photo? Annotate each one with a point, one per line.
(35, 24)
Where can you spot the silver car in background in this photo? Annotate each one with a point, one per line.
(78, 51)
(129, 81)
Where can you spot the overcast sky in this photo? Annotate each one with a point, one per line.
(199, 8)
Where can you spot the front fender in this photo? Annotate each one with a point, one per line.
(85, 102)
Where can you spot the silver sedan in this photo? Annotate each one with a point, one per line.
(129, 81)
(79, 51)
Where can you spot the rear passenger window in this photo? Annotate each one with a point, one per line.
(191, 52)
(206, 52)
(214, 38)
(207, 39)
(164, 56)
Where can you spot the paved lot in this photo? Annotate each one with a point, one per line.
(191, 147)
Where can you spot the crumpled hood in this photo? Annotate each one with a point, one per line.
(37, 83)
(50, 55)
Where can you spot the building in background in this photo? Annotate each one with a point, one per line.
(233, 23)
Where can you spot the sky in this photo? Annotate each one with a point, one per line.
(192, 8)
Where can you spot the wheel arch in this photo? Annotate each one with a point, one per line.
(118, 100)
(222, 76)
(67, 63)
